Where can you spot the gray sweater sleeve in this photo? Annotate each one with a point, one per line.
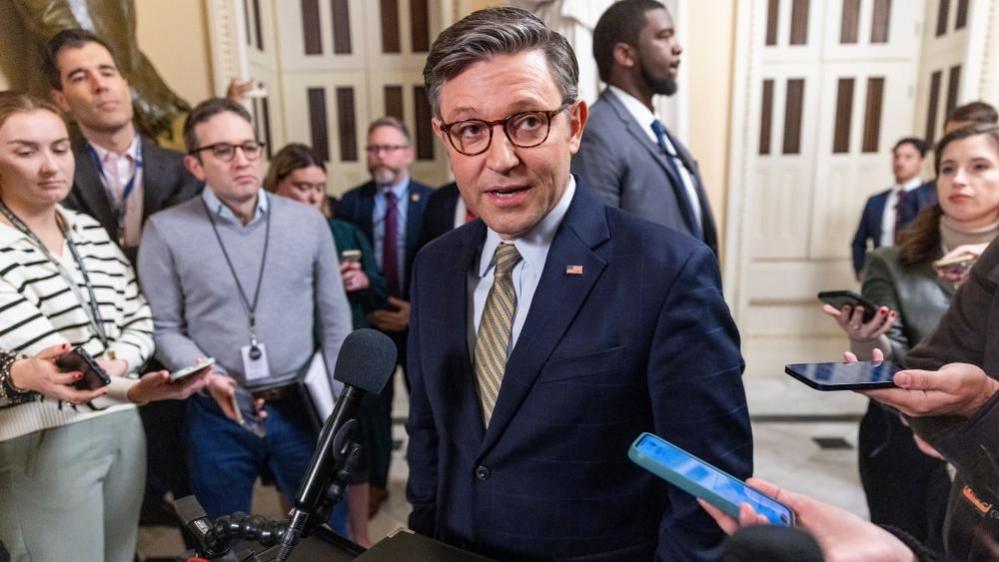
(161, 284)
(332, 309)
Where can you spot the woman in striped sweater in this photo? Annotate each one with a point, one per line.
(72, 462)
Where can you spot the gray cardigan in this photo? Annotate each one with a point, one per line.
(196, 305)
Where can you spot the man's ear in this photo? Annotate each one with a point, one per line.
(577, 122)
(624, 55)
(59, 99)
(193, 165)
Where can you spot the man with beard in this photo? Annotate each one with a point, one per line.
(627, 156)
(389, 210)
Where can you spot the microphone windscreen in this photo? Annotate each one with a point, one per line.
(366, 360)
(771, 542)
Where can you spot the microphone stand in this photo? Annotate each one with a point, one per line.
(214, 539)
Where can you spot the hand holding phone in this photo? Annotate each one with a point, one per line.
(77, 359)
(188, 371)
(702, 480)
(839, 299)
(350, 255)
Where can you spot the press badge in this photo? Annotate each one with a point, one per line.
(254, 369)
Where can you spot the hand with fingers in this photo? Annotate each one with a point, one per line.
(957, 389)
(842, 535)
(864, 335)
(157, 386)
(40, 374)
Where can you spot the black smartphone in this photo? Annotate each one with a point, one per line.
(77, 359)
(839, 299)
(246, 415)
(862, 375)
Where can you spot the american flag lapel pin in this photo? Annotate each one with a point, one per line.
(573, 270)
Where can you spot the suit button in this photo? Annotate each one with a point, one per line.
(481, 472)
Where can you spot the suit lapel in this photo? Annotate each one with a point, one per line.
(366, 206)
(90, 188)
(414, 218)
(707, 217)
(462, 416)
(876, 216)
(639, 136)
(152, 172)
(557, 300)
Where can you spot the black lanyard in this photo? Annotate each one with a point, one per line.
(251, 307)
(95, 313)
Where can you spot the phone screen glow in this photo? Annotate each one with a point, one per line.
(706, 476)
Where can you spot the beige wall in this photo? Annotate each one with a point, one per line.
(174, 36)
(709, 56)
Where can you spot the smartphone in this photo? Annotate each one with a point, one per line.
(246, 415)
(839, 299)
(350, 255)
(77, 359)
(188, 371)
(862, 375)
(700, 479)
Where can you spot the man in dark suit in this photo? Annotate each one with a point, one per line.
(627, 156)
(446, 210)
(552, 331)
(121, 179)
(389, 211)
(888, 212)
(121, 176)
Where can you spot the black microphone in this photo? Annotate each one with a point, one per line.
(365, 364)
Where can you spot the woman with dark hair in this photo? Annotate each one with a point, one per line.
(913, 285)
(297, 173)
(72, 461)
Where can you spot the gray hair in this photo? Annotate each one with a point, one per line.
(389, 121)
(498, 31)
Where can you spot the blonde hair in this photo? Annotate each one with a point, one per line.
(12, 102)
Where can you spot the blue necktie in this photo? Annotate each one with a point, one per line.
(688, 210)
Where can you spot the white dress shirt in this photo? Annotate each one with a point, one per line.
(644, 117)
(526, 275)
(888, 217)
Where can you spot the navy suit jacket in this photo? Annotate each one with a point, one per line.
(641, 341)
(165, 183)
(438, 218)
(629, 171)
(870, 221)
(357, 206)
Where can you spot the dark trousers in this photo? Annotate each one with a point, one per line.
(905, 488)
(225, 459)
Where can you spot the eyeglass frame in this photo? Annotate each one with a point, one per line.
(386, 148)
(550, 114)
(260, 146)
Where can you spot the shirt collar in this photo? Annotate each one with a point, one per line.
(534, 245)
(131, 152)
(216, 206)
(398, 188)
(637, 109)
(912, 184)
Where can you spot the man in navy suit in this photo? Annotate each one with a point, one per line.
(552, 331)
(627, 156)
(445, 211)
(389, 211)
(889, 211)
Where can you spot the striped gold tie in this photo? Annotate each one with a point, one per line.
(492, 341)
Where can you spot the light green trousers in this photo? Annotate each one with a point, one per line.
(74, 492)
